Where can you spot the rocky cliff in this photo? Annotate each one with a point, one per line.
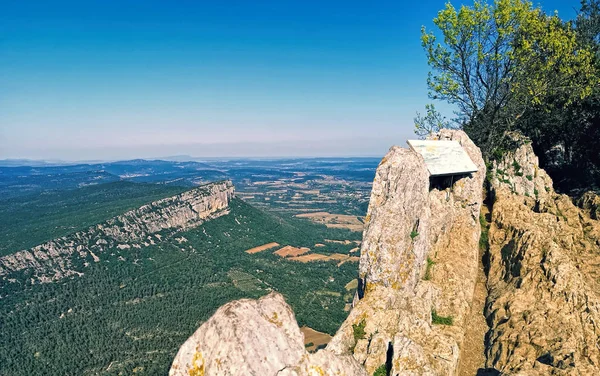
(543, 304)
(418, 267)
(418, 270)
(137, 228)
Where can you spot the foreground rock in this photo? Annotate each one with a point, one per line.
(392, 324)
(137, 228)
(255, 337)
(543, 304)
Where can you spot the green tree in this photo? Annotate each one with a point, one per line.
(431, 122)
(565, 134)
(588, 24)
(496, 62)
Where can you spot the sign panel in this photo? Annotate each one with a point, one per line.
(443, 157)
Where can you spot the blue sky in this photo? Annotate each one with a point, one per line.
(123, 79)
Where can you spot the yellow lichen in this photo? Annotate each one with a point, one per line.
(197, 365)
(316, 370)
(275, 320)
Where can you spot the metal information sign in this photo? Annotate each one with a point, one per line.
(443, 158)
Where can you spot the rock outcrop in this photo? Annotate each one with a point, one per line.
(256, 337)
(418, 266)
(543, 305)
(137, 228)
(419, 261)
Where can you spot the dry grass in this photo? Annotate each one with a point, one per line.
(350, 222)
(309, 258)
(341, 258)
(262, 248)
(315, 338)
(289, 251)
(352, 285)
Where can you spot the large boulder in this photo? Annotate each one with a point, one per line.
(255, 337)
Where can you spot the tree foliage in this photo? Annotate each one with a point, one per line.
(495, 62)
(565, 134)
(431, 122)
(588, 24)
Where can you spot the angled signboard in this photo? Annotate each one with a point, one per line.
(443, 158)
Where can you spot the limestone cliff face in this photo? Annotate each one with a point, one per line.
(137, 228)
(418, 268)
(408, 222)
(543, 305)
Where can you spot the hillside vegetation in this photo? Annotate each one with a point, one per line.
(130, 312)
(29, 220)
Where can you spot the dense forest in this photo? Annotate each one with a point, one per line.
(130, 312)
(509, 66)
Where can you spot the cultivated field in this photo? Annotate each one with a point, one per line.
(341, 258)
(350, 222)
(314, 338)
(244, 281)
(291, 251)
(262, 248)
(345, 242)
(310, 257)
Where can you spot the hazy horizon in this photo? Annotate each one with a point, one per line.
(342, 148)
(108, 80)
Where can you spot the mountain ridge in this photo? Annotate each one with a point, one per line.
(56, 259)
